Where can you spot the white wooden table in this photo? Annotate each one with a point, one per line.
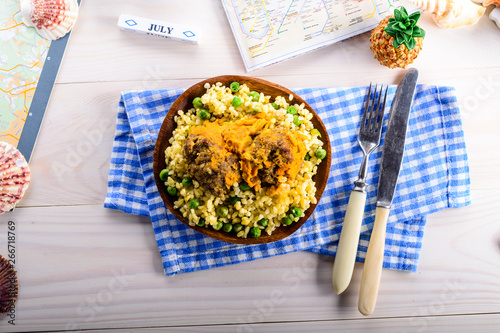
(83, 267)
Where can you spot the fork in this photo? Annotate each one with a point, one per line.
(368, 139)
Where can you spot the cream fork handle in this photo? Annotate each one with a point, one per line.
(372, 269)
(348, 242)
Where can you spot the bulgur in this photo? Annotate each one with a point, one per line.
(244, 208)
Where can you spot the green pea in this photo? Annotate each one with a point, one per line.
(255, 232)
(187, 181)
(291, 110)
(256, 110)
(321, 153)
(164, 175)
(193, 203)
(263, 222)
(227, 227)
(172, 190)
(314, 131)
(236, 101)
(286, 220)
(201, 222)
(222, 211)
(296, 211)
(234, 200)
(254, 95)
(307, 157)
(244, 186)
(197, 103)
(275, 106)
(235, 87)
(218, 226)
(204, 114)
(237, 227)
(296, 120)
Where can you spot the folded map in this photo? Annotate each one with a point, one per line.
(272, 31)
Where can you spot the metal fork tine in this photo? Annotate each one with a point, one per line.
(380, 108)
(370, 116)
(366, 106)
(374, 113)
(381, 119)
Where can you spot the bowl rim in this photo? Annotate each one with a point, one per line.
(162, 142)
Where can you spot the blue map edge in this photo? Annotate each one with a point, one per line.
(41, 98)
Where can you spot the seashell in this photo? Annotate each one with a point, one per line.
(52, 18)
(14, 176)
(495, 13)
(8, 285)
(495, 16)
(451, 13)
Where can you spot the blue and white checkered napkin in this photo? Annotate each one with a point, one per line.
(434, 176)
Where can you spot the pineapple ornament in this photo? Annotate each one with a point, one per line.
(397, 40)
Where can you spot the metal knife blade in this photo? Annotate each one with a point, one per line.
(394, 142)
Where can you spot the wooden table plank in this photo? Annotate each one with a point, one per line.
(482, 323)
(87, 267)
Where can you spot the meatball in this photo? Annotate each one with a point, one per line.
(210, 164)
(271, 149)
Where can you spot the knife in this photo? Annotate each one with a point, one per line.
(392, 157)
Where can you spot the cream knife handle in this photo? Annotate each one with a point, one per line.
(372, 269)
(348, 242)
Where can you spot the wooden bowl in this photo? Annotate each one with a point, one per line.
(184, 102)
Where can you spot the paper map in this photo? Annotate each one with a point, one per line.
(271, 31)
(22, 55)
(28, 69)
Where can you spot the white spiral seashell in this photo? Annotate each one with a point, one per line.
(451, 13)
(495, 13)
(495, 16)
(52, 18)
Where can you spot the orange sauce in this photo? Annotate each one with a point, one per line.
(213, 132)
(251, 139)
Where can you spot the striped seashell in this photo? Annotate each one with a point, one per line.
(8, 285)
(52, 18)
(14, 176)
(451, 13)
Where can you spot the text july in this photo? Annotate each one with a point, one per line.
(160, 28)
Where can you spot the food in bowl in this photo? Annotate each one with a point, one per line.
(242, 162)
